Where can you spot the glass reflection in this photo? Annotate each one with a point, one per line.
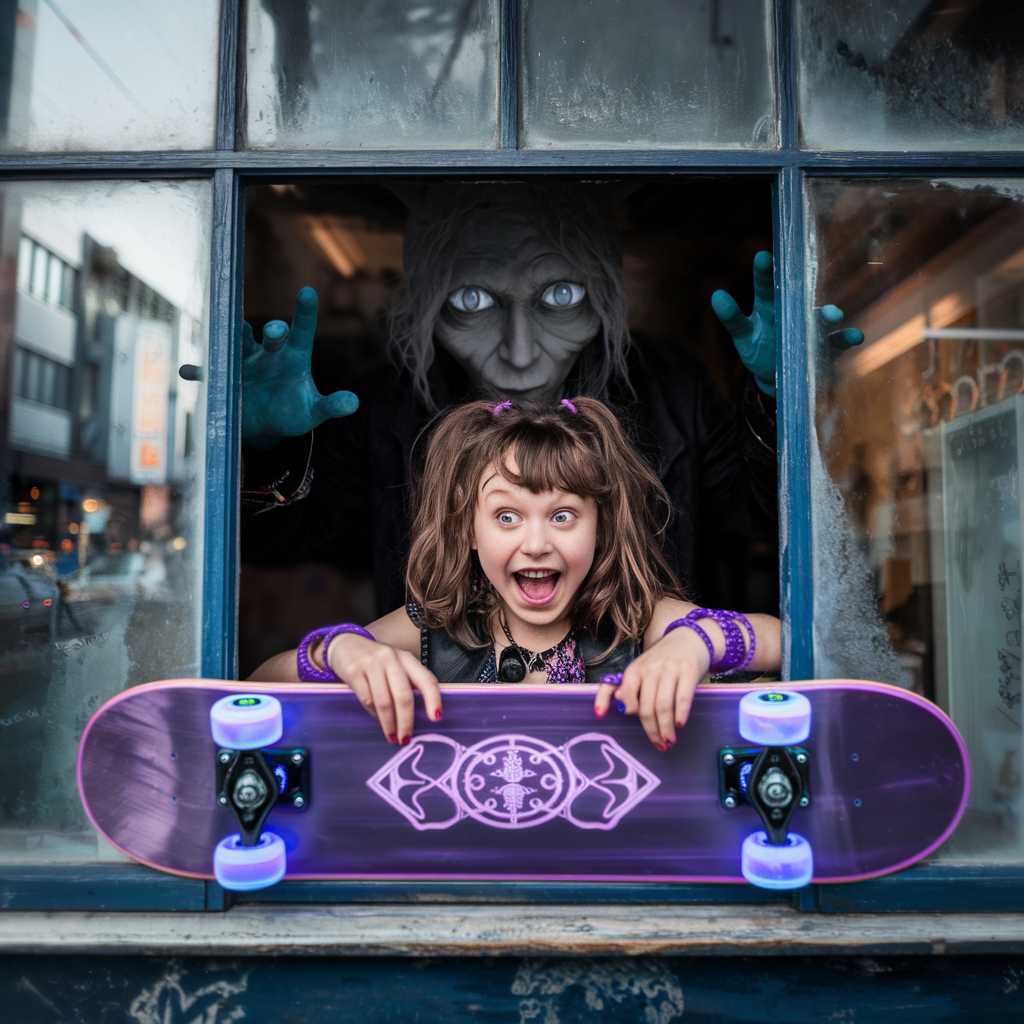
(389, 75)
(918, 508)
(911, 74)
(614, 73)
(117, 75)
(101, 476)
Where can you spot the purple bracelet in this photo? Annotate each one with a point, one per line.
(735, 648)
(738, 653)
(308, 672)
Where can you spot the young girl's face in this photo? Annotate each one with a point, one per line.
(536, 549)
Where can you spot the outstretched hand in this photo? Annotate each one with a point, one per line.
(756, 336)
(279, 398)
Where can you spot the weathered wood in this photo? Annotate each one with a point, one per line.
(474, 931)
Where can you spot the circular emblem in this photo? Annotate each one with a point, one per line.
(513, 781)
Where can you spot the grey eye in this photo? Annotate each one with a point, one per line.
(563, 295)
(470, 299)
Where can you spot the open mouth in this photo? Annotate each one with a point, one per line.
(537, 586)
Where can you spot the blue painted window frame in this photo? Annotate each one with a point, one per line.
(229, 168)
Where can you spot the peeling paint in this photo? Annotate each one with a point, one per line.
(645, 989)
(168, 1001)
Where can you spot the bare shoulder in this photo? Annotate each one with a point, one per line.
(397, 630)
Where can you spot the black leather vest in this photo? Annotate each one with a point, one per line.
(452, 663)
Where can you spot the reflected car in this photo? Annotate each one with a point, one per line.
(29, 603)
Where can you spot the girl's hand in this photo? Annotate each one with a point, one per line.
(659, 685)
(384, 678)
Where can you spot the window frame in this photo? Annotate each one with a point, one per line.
(229, 168)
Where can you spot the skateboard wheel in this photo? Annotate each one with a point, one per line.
(786, 866)
(244, 868)
(246, 721)
(775, 718)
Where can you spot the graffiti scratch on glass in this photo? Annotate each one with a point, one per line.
(79, 643)
(513, 781)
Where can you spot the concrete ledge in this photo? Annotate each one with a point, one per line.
(476, 931)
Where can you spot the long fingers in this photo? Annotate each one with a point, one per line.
(304, 319)
(338, 403)
(275, 335)
(728, 312)
(764, 277)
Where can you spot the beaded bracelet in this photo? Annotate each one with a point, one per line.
(738, 654)
(735, 648)
(308, 672)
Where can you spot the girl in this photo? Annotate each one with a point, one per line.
(535, 557)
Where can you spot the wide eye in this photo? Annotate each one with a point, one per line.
(471, 299)
(509, 518)
(563, 295)
(563, 517)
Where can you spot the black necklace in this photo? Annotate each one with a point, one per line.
(517, 661)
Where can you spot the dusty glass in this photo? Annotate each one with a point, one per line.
(910, 74)
(917, 504)
(385, 75)
(101, 479)
(117, 75)
(653, 73)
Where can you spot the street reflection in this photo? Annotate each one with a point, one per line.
(918, 515)
(103, 296)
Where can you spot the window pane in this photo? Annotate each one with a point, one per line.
(24, 263)
(122, 74)
(40, 261)
(324, 75)
(911, 74)
(54, 273)
(917, 506)
(100, 544)
(656, 73)
(33, 377)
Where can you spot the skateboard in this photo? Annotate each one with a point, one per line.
(248, 783)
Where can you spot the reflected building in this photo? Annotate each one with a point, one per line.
(98, 432)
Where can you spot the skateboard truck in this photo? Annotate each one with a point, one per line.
(253, 782)
(252, 777)
(771, 777)
(772, 780)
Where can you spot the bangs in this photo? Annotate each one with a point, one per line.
(549, 458)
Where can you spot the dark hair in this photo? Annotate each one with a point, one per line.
(572, 222)
(586, 453)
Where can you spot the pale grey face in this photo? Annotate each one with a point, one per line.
(517, 315)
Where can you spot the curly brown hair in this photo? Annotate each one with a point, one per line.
(586, 453)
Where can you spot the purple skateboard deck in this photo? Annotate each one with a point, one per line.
(524, 783)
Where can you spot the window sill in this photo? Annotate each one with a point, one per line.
(510, 930)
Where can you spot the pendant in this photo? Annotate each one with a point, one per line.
(511, 667)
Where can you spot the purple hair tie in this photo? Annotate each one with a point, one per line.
(501, 407)
(565, 403)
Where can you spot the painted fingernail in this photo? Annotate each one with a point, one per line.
(620, 707)
(405, 740)
(660, 747)
(437, 715)
(392, 738)
(600, 712)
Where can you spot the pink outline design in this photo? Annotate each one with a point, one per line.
(512, 781)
